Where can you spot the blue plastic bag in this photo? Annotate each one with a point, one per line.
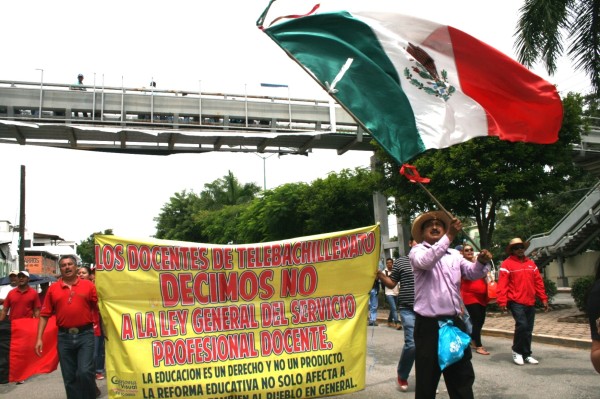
(452, 343)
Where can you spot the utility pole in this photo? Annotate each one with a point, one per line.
(22, 222)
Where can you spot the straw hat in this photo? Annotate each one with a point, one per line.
(515, 241)
(417, 226)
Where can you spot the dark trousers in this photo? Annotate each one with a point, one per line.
(76, 356)
(524, 319)
(459, 377)
(477, 313)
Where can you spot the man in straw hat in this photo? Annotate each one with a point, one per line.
(519, 282)
(438, 270)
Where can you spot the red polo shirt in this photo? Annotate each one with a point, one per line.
(22, 303)
(73, 305)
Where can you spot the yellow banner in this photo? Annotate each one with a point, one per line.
(276, 320)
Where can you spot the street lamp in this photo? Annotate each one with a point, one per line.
(41, 89)
(264, 169)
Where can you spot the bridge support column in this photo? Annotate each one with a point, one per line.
(380, 212)
(561, 280)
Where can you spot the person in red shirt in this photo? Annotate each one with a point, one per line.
(74, 302)
(87, 273)
(22, 302)
(519, 282)
(474, 295)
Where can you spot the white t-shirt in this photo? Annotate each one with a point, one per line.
(391, 291)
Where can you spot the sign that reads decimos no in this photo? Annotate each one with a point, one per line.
(272, 320)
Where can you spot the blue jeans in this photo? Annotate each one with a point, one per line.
(393, 316)
(407, 358)
(524, 318)
(373, 303)
(99, 353)
(76, 355)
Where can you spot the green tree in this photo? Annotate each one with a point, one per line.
(540, 35)
(176, 218)
(340, 201)
(475, 179)
(182, 217)
(279, 214)
(227, 191)
(85, 249)
(220, 226)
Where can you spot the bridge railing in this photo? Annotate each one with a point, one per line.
(63, 103)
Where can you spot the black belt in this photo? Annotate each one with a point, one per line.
(76, 330)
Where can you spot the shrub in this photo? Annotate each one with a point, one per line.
(551, 291)
(579, 291)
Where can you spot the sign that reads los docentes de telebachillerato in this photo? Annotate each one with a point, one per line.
(275, 320)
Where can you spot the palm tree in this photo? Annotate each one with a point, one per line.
(540, 29)
(227, 191)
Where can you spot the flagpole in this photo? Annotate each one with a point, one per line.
(411, 173)
(441, 207)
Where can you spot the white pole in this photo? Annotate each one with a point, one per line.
(246, 102)
(290, 105)
(94, 99)
(152, 99)
(199, 102)
(102, 101)
(41, 90)
(122, 100)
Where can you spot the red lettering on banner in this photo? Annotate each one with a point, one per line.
(169, 289)
(311, 310)
(294, 281)
(223, 318)
(109, 258)
(215, 287)
(294, 340)
(146, 326)
(273, 314)
(127, 328)
(222, 258)
(204, 349)
(162, 258)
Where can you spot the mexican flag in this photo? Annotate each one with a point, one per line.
(417, 85)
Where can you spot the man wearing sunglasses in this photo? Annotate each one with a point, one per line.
(519, 282)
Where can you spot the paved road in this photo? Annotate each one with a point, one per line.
(565, 370)
(562, 373)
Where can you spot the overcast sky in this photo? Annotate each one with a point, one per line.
(181, 45)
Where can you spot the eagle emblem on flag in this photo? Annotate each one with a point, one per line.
(426, 69)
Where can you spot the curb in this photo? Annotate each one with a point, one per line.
(541, 338)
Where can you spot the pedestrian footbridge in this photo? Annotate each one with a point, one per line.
(581, 225)
(162, 122)
(572, 234)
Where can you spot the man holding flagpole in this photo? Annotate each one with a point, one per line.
(438, 271)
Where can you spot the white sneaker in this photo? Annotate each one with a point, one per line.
(531, 360)
(518, 359)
